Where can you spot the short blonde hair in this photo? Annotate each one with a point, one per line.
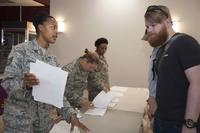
(91, 57)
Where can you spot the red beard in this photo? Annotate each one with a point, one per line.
(158, 39)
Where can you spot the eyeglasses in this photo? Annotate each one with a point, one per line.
(155, 8)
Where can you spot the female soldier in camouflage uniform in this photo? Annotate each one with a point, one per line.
(77, 78)
(22, 114)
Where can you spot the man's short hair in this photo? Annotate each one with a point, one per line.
(99, 41)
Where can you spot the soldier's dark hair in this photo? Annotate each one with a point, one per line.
(91, 57)
(39, 19)
(99, 41)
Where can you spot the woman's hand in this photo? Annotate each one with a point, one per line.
(86, 104)
(75, 122)
(30, 80)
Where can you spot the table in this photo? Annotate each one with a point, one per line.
(125, 117)
(114, 121)
(134, 99)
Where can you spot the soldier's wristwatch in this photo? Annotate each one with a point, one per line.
(189, 123)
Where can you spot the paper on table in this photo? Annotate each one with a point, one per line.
(101, 102)
(119, 89)
(115, 100)
(52, 83)
(111, 105)
(96, 111)
(63, 127)
(116, 94)
(103, 99)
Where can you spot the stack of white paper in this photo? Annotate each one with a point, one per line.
(112, 104)
(63, 127)
(96, 111)
(119, 89)
(52, 83)
(117, 92)
(101, 103)
(115, 100)
(104, 100)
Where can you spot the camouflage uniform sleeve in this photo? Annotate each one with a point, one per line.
(67, 111)
(71, 92)
(107, 81)
(94, 81)
(13, 74)
(106, 74)
(99, 78)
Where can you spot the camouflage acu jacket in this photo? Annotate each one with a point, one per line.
(19, 63)
(76, 82)
(100, 77)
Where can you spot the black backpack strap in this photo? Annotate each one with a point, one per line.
(162, 50)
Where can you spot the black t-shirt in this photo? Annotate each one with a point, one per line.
(172, 85)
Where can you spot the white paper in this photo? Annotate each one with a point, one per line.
(101, 103)
(96, 111)
(111, 105)
(52, 83)
(116, 94)
(119, 89)
(102, 100)
(63, 127)
(115, 100)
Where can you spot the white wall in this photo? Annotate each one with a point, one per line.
(122, 22)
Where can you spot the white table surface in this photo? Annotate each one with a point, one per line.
(134, 100)
(125, 117)
(114, 121)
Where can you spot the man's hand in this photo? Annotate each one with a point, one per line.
(30, 80)
(77, 123)
(152, 106)
(86, 104)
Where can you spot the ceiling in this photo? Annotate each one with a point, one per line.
(20, 3)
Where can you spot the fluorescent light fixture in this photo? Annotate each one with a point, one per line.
(176, 26)
(61, 25)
